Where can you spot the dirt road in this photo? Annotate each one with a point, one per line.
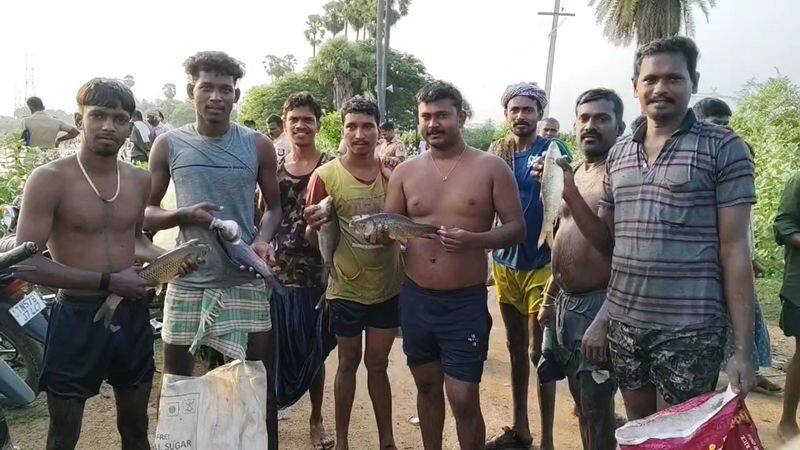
(29, 426)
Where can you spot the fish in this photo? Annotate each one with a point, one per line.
(17, 254)
(551, 195)
(328, 237)
(230, 237)
(162, 270)
(398, 227)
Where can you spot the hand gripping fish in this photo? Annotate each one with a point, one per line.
(552, 191)
(399, 228)
(328, 236)
(163, 270)
(230, 236)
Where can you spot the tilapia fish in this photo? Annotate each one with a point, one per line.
(230, 236)
(162, 270)
(552, 190)
(399, 228)
(328, 236)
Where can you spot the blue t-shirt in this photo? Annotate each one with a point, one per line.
(528, 255)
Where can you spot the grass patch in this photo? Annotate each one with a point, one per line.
(767, 290)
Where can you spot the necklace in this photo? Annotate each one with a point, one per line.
(436, 165)
(80, 164)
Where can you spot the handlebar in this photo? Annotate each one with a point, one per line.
(17, 254)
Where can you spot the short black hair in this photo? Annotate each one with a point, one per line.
(249, 123)
(680, 45)
(361, 105)
(137, 115)
(217, 62)
(387, 126)
(711, 107)
(276, 119)
(441, 90)
(593, 95)
(302, 99)
(107, 93)
(35, 104)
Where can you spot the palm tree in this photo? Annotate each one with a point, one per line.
(333, 21)
(169, 91)
(353, 12)
(647, 20)
(315, 32)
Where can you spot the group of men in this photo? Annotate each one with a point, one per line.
(649, 263)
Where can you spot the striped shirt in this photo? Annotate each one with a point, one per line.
(666, 271)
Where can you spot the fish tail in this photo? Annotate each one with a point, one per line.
(546, 236)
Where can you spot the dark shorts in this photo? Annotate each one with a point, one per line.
(81, 353)
(451, 327)
(790, 318)
(350, 319)
(574, 315)
(304, 340)
(680, 364)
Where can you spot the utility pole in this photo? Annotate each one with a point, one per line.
(548, 83)
(387, 28)
(380, 60)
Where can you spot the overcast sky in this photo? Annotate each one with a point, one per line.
(478, 45)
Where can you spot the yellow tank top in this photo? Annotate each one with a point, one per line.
(367, 273)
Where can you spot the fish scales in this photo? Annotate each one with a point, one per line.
(551, 193)
(398, 227)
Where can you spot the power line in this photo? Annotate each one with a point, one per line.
(552, 53)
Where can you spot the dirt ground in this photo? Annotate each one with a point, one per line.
(29, 425)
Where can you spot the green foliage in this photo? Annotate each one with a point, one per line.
(502, 132)
(277, 67)
(330, 135)
(182, 114)
(647, 20)
(768, 118)
(411, 140)
(480, 136)
(262, 101)
(18, 161)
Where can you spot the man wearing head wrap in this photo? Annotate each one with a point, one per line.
(521, 271)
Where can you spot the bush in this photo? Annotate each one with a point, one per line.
(262, 101)
(768, 118)
(17, 161)
(480, 136)
(330, 135)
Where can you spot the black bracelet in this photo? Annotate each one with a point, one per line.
(105, 281)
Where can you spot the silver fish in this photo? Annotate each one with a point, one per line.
(328, 236)
(398, 227)
(552, 190)
(162, 270)
(230, 236)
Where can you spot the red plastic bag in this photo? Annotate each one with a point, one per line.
(713, 421)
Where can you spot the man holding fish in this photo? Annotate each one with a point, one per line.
(521, 271)
(365, 277)
(444, 314)
(87, 209)
(303, 337)
(577, 289)
(215, 166)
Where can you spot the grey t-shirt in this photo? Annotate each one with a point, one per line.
(222, 171)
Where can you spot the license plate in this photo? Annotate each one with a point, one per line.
(27, 308)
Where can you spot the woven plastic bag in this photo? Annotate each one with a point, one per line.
(713, 421)
(225, 408)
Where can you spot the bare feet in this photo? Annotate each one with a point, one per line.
(320, 439)
(787, 430)
(509, 438)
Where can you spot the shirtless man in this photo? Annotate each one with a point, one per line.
(216, 165)
(88, 210)
(443, 311)
(577, 289)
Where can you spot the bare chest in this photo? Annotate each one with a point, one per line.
(467, 193)
(81, 211)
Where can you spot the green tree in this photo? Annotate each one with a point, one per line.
(647, 20)
(262, 101)
(182, 114)
(768, 118)
(344, 67)
(315, 32)
(480, 136)
(169, 91)
(330, 135)
(277, 67)
(333, 20)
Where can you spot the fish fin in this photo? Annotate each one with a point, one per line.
(543, 236)
(159, 289)
(402, 240)
(321, 302)
(549, 239)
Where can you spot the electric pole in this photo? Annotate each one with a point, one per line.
(380, 60)
(548, 83)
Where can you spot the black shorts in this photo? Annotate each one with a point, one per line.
(81, 353)
(451, 327)
(790, 318)
(349, 319)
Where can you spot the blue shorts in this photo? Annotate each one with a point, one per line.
(451, 327)
(80, 353)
